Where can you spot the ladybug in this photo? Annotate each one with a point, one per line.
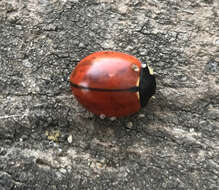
(112, 83)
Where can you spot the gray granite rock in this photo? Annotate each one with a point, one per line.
(173, 143)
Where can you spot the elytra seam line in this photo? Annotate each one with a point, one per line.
(131, 89)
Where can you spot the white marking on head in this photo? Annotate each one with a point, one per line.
(143, 65)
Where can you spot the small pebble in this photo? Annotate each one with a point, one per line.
(183, 79)
(129, 125)
(99, 165)
(141, 115)
(69, 139)
(217, 42)
(191, 130)
(102, 116)
(63, 171)
(112, 118)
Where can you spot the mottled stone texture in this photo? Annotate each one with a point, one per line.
(48, 141)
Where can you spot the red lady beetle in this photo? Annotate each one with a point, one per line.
(112, 83)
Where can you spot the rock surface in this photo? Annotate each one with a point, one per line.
(48, 141)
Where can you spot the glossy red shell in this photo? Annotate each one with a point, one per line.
(107, 70)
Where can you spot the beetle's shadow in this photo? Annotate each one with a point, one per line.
(104, 139)
(123, 135)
